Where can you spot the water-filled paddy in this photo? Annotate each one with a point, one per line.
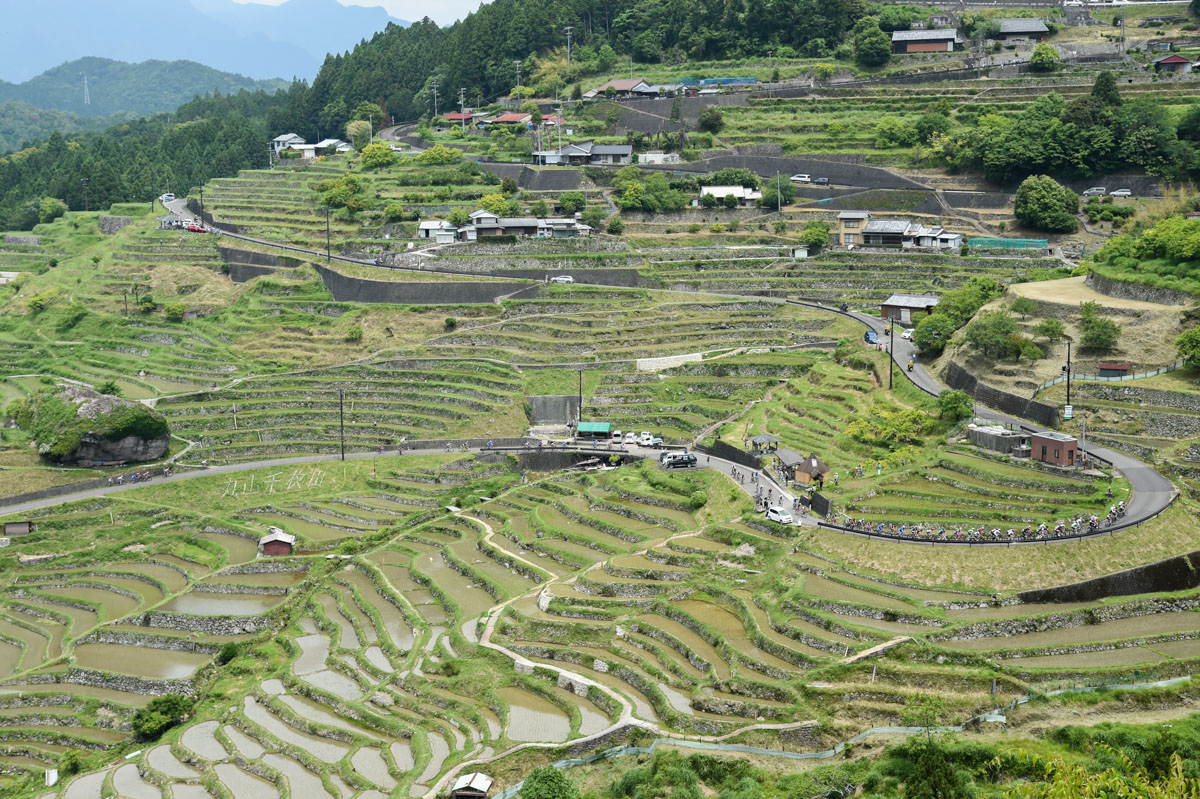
(1154, 624)
(241, 550)
(370, 763)
(129, 783)
(244, 745)
(244, 785)
(532, 718)
(324, 749)
(161, 760)
(115, 605)
(301, 781)
(139, 661)
(1127, 656)
(199, 738)
(202, 603)
(349, 638)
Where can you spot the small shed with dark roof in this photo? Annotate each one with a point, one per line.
(800, 469)
(1032, 29)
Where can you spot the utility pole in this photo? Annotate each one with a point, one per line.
(1067, 371)
(778, 199)
(569, 28)
(342, 418)
(84, 181)
(517, 64)
(202, 205)
(327, 248)
(891, 349)
(125, 296)
(370, 128)
(87, 97)
(435, 88)
(580, 398)
(462, 107)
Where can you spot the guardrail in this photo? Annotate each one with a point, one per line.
(1109, 530)
(1113, 379)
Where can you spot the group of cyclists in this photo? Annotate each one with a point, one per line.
(137, 477)
(941, 532)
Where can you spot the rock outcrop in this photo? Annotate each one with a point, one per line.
(75, 425)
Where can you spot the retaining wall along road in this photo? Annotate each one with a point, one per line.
(1173, 574)
(554, 408)
(354, 289)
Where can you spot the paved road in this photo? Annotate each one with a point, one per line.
(1151, 491)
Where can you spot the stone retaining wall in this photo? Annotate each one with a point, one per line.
(169, 643)
(1137, 291)
(25, 241)
(208, 625)
(111, 225)
(126, 683)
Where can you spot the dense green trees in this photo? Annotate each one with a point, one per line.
(1044, 59)
(162, 713)
(872, 47)
(1091, 135)
(1043, 204)
(135, 161)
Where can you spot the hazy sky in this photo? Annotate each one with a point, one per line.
(443, 12)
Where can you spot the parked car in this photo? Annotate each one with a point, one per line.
(631, 438)
(678, 460)
(646, 438)
(562, 279)
(197, 227)
(1095, 191)
(166, 198)
(820, 181)
(1120, 193)
(908, 334)
(616, 436)
(779, 515)
(801, 178)
(870, 337)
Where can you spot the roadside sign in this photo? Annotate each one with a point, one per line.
(1069, 412)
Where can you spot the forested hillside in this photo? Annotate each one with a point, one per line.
(397, 67)
(21, 123)
(134, 161)
(145, 88)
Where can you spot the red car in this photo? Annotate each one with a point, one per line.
(196, 227)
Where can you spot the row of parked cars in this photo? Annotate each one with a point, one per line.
(644, 439)
(1100, 191)
(809, 179)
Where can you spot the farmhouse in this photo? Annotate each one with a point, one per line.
(1034, 30)
(485, 223)
(585, 154)
(658, 158)
(621, 88)
(746, 198)
(1173, 63)
(471, 786)
(458, 117)
(1054, 447)
(332, 145)
(858, 228)
(933, 41)
(284, 141)
(437, 230)
(510, 118)
(277, 542)
(901, 307)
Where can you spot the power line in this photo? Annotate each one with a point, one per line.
(87, 97)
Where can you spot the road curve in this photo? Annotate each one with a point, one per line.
(1152, 492)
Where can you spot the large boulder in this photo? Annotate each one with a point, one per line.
(75, 425)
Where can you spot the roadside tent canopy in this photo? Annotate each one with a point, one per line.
(764, 438)
(594, 429)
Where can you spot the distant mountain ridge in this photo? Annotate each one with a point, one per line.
(148, 87)
(284, 41)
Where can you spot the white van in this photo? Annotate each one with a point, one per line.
(780, 515)
(616, 436)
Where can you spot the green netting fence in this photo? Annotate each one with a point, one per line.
(984, 243)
